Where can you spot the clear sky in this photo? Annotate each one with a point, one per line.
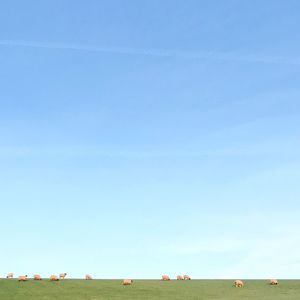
(148, 137)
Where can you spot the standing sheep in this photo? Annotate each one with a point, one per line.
(273, 281)
(238, 283)
(127, 281)
(62, 275)
(53, 278)
(23, 278)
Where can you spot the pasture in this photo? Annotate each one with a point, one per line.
(72, 289)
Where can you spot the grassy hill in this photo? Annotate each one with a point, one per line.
(71, 289)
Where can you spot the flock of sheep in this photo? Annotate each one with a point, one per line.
(87, 277)
(179, 277)
(237, 283)
(39, 277)
(240, 283)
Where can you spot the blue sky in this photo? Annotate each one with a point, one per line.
(147, 137)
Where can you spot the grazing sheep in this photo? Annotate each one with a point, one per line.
(88, 277)
(165, 278)
(179, 277)
(238, 283)
(53, 278)
(273, 281)
(37, 277)
(127, 281)
(10, 275)
(62, 275)
(23, 278)
(187, 277)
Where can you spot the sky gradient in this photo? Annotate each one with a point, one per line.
(147, 137)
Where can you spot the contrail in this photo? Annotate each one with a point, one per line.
(214, 55)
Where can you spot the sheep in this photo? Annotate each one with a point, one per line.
(88, 277)
(23, 278)
(187, 277)
(179, 277)
(37, 277)
(127, 281)
(62, 275)
(54, 278)
(10, 275)
(273, 282)
(238, 283)
(165, 278)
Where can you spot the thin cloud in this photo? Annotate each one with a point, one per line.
(214, 55)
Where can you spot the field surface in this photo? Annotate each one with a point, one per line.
(70, 289)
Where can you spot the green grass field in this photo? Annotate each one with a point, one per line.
(146, 289)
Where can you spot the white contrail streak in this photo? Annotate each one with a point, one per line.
(223, 56)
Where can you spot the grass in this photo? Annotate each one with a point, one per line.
(72, 289)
